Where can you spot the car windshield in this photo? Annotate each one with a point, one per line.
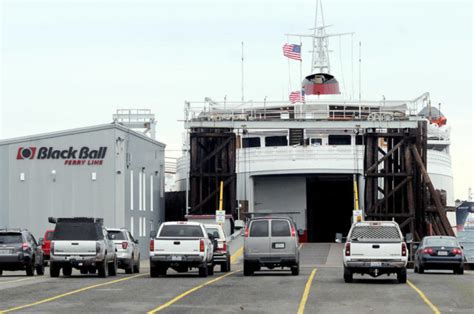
(116, 235)
(77, 231)
(49, 236)
(10, 238)
(375, 232)
(441, 242)
(213, 231)
(181, 231)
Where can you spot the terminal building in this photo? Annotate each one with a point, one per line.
(107, 171)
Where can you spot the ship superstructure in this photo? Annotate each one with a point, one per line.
(306, 159)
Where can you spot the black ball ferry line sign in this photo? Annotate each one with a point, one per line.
(71, 156)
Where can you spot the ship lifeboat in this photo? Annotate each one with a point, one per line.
(320, 84)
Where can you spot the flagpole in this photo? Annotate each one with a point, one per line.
(289, 72)
(242, 78)
(301, 71)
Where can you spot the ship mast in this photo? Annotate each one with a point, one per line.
(320, 51)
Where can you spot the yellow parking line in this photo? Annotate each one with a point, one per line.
(21, 307)
(236, 255)
(182, 295)
(307, 288)
(18, 280)
(423, 296)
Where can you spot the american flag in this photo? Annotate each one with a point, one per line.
(292, 51)
(296, 96)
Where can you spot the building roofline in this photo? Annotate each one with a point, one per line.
(87, 129)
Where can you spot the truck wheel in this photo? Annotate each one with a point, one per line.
(30, 269)
(459, 270)
(83, 271)
(92, 270)
(1, 272)
(347, 275)
(203, 270)
(162, 270)
(136, 266)
(248, 269)
(40, 269)
(54, 269)
(402, 275)
(225, 267)
(130, 266)
(67, 270)
(153, 270)
(210, 270)
(295, 270)
(102, 269)
(113, 267)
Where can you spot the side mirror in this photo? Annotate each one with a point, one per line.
(41, 241)
(300, 232)
(153, 234)
(462, 247)
(409, 238)
(415, 247)
(52, 220)
(215, 244)
(135, 241)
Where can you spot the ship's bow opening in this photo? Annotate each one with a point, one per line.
(330, 202)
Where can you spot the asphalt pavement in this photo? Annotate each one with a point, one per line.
(319, 288)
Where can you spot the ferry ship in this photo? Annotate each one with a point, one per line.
(314, 173)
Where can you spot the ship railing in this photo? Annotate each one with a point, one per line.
(210, 110)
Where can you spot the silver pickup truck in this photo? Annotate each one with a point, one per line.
(181, 245)
(82, 243)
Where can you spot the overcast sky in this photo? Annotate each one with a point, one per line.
(67, 64)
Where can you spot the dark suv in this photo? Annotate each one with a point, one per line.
(20, 251)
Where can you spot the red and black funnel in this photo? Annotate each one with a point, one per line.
(320, 84)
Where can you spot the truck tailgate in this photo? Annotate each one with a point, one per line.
(74, 247)
(382, 250)
(177, 246)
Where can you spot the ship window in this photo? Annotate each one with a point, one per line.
(359, 140)
(251, 142)
(276, 141)
(316, 141)
(339, 140)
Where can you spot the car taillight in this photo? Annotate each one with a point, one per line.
(224, 247)
(97, 247)
(347, 250)
(456, 251)
(124, 245)
(25, 246)
(152, 245)
(293, 231)
(201, 245)
(404, 249)
(246, 234)
(428, 251)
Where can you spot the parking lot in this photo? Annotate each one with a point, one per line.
(318, 289)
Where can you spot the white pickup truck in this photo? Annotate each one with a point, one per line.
(181, 245)
(375, 248)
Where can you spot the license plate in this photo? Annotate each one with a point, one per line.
(443, 253)
(279, 245)
(376, 264)
(176, 258)
(4, 251)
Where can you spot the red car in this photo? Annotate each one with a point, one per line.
(46, 246)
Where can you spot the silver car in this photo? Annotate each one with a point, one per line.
(271, 242)
(128, 250)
